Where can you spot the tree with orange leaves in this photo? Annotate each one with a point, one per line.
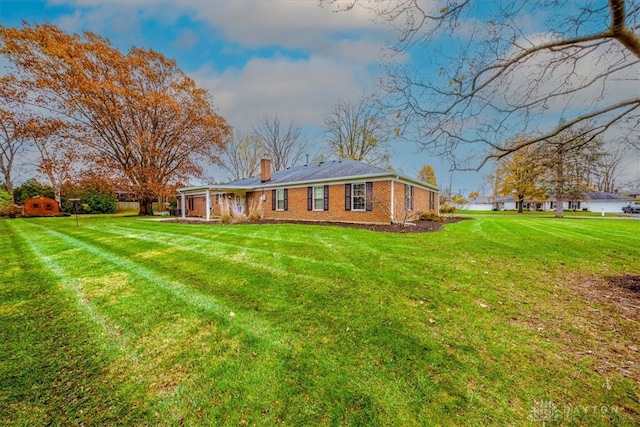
(520, 174)
(136, 117)
(428, 175)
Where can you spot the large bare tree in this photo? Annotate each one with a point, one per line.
(12, 144)
(136, 116)
(14, 135)
(483, 72)
(59, 157)
(567, 160)
(358, 130)
(282, 143)
(607, 171)
(241, 156)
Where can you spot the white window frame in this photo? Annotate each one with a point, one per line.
(408, 199)
(318, 198)
(363, 197)
(280, 199)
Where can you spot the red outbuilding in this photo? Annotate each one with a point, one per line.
(42, 206)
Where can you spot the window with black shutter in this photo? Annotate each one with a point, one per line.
(317, 198)
(279, 200)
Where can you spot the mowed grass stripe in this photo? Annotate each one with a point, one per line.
(263, 270)
(54, 356)
(216, 248)
(112, 331)
(266, 283)
(162, 345)
(135, 271)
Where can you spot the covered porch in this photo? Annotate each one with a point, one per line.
(211, 201)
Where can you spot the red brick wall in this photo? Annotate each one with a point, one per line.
(420, 202)
(199, 206)
(297, 209)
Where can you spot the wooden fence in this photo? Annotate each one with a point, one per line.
(135, 206)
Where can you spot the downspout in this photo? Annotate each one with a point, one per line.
(393, 186)
(207, 198)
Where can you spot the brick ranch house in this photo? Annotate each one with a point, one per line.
(339, 191)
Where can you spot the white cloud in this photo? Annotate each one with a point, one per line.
(301, 90)
(301, 24)
(186, 40)
(292, 24)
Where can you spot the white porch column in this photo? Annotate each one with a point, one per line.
(207, 199)
(182, 206)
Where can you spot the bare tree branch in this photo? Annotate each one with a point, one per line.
(358, 130)
(281, 143)
(485, 72)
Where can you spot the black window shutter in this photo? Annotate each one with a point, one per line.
(369, 187)
(326, 198)
(347, 197)
(273, 200)
(309, 198)
(286, 199)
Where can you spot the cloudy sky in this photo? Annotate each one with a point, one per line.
(258, 58)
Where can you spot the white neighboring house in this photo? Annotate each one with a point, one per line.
(599, 201)
(480, 203)
(592, 201)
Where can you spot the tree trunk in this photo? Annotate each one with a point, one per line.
(9, 186)
(57, 194)
(559, 207)
(146, 207)
(520, 203)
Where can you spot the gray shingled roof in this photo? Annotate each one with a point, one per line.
(323, 171)
(601, 195)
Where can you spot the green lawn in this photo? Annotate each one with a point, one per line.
(499, 320)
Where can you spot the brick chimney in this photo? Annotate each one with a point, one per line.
(265, 170)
